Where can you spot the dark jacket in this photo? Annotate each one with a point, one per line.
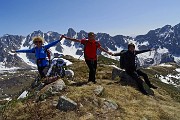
(129, 57)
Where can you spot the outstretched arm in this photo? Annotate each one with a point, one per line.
(102, 49)
(23, 51)
(142, 51)
(120, 53)
(117, 54)
(72, 39)
(53, 43)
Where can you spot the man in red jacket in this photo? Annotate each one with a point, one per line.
(90, 49)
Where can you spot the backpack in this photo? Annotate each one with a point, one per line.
(48, 52)
(122, 59)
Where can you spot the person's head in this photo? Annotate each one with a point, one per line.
(91, 36)
(131, 47)
(38, 41)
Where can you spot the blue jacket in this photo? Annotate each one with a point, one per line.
(40, 53)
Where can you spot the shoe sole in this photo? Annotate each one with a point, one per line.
(148, 89)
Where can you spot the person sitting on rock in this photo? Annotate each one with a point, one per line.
(130, 67)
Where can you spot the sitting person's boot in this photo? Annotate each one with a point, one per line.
(152, 86)
(40, 86)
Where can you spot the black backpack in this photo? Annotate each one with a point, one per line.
(122, 59)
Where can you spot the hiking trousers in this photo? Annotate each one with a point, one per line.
(136, 76)
(42, 71)
(92, 65)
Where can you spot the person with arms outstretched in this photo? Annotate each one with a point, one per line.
(90, 53)
(130, 66)
(40, 52)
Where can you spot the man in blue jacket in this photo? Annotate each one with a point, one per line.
(40, 51)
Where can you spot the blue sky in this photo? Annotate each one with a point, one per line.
(125, 17)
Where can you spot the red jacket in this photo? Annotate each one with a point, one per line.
(90, 49)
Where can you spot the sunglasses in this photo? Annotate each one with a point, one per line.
(37, 41)
(91, 36)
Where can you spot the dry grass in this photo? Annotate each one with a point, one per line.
(132, 104)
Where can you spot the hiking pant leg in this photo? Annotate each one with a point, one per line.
(40, 70)
(138, 80)
(144, 75)
(92, 65)
(95, 67)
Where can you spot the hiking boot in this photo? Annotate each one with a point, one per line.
(40, 86)
(94, 82)
(152, 86)
(146, 89)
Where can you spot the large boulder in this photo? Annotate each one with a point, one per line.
(109, 105)
(116, 72)
(50, 90)
(66, 104)
(125, 79)
(99, 90)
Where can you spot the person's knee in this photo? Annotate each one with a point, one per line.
(145, 75)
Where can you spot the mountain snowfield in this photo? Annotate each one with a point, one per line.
(18, 70)
(168, 78)
(156, 54)
(165, 41)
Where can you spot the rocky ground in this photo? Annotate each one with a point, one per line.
(107, 99)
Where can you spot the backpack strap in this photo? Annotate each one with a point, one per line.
(48, 55)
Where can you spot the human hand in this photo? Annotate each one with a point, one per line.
(65, 37)
(110, 53)
(13, 51)
(62, 36)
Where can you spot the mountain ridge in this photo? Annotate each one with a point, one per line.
(166, 39)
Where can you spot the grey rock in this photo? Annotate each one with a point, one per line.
(116, 72)
(58, 86)
(66, 104)
(124, 78)
(54, 103)
(110, 105)
(99, 90)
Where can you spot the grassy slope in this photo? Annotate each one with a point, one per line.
(132, 104)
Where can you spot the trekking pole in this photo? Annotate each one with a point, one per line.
(80, 57)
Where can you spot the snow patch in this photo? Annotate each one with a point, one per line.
(146, 43)
(165, 65)
(168, 79)
(7, 99)
(23, 55)
(5, 69)
(69, 50)
(178, 70)
(162, 50)
(23, 95)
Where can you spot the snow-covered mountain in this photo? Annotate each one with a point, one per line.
(165, 40)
